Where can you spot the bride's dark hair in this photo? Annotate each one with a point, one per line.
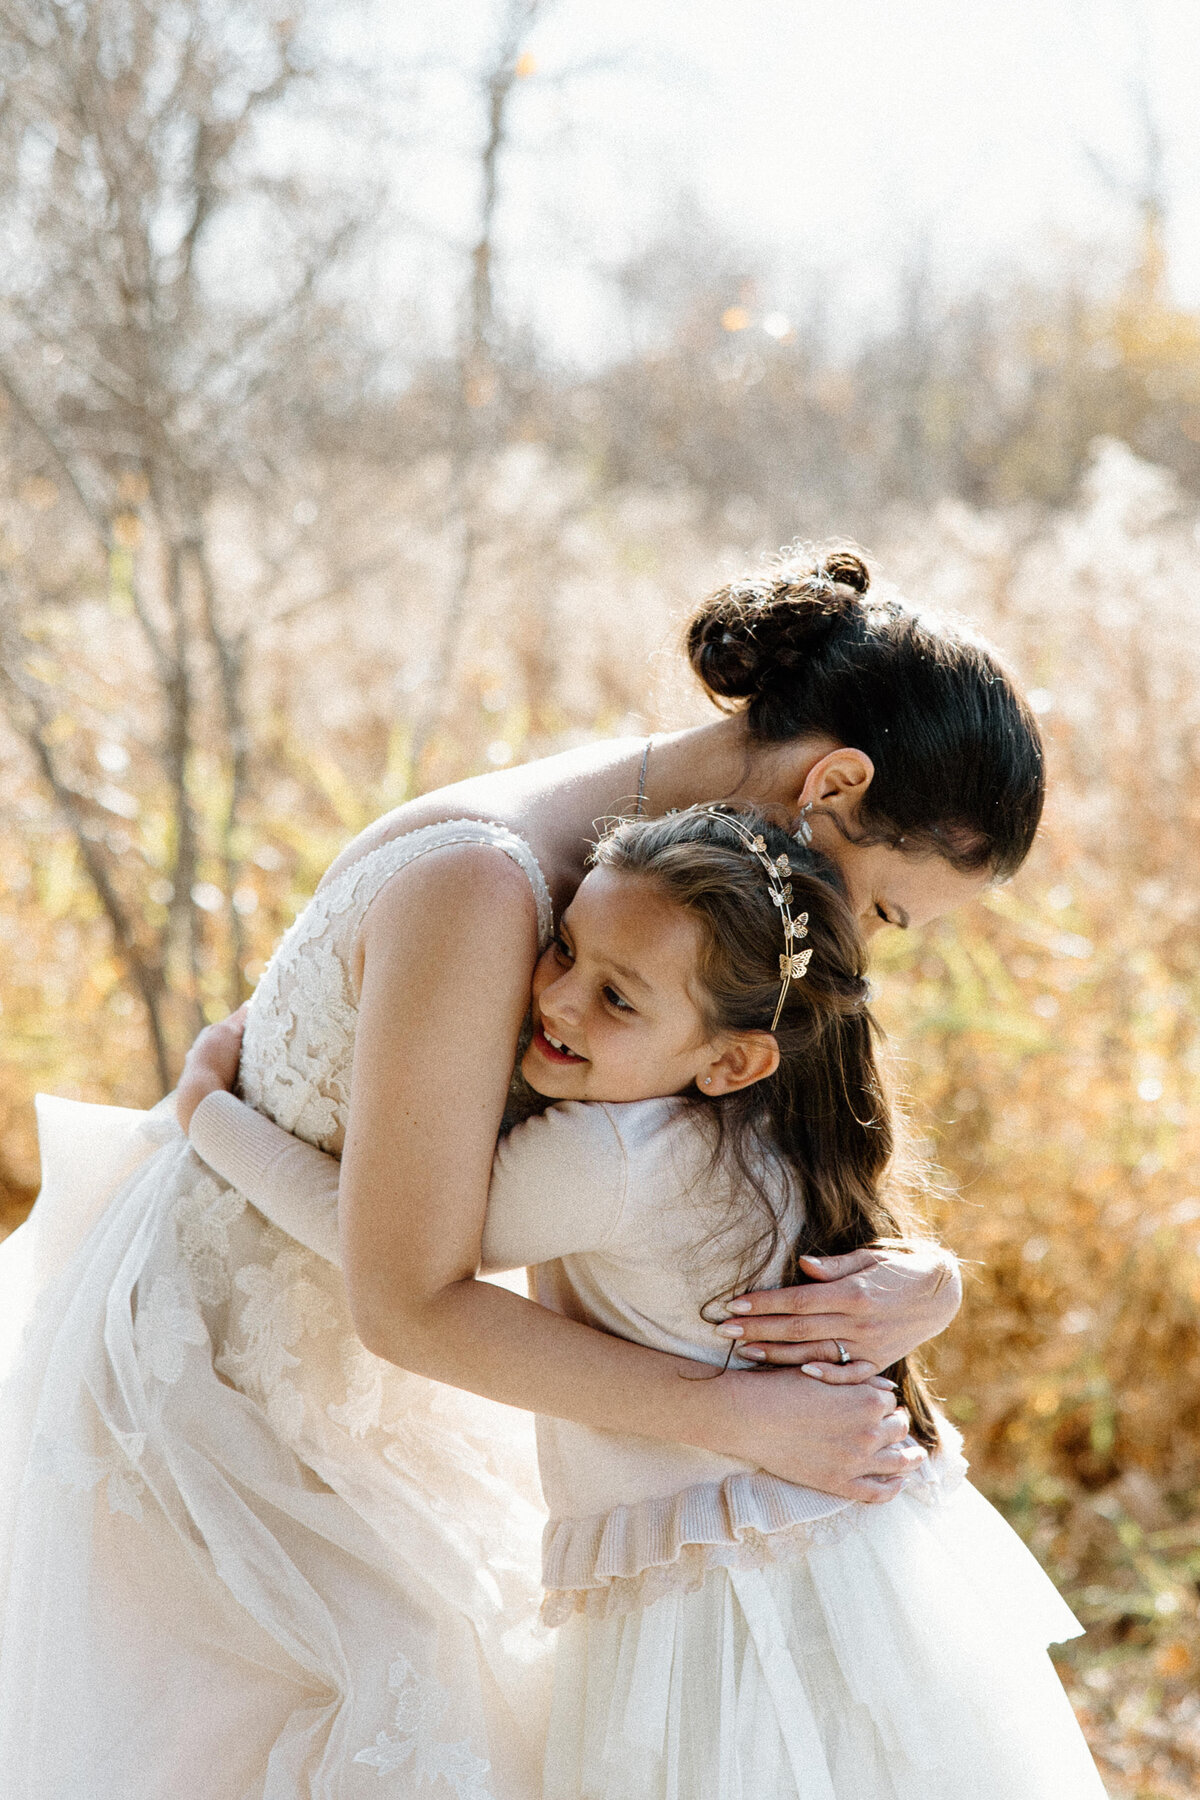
(958, 758)
(822, 1121)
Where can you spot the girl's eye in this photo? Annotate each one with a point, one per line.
(614, 999)
(879, 913)
(562, 948)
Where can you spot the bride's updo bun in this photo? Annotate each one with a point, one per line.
(747, 635)
(808, 651)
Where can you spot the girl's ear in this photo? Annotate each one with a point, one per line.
(747, 1058)
(837, 782)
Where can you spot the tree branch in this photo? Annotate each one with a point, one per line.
(27, 716)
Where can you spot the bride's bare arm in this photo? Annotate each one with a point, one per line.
(439, 1015)
(447, 950)
(880, 1304)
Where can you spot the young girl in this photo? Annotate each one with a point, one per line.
(726, 1633)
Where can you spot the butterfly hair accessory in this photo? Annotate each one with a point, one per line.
(793, 963)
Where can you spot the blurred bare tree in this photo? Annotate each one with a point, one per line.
(479, 400)
(163, 299)
(279, 547)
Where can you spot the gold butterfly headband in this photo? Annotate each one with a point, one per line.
(793, 964)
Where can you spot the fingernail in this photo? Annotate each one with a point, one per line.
(739, 1306)
(810, 1368)
(754, 1353)
(894, 1387)
(734, 1331)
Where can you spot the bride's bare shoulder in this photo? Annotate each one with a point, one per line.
(552, 803)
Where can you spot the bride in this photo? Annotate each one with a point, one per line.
(264, 1528)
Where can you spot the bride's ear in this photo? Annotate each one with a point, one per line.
(749, 1057)
(837, 782)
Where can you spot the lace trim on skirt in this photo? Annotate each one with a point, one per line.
(691, 1565)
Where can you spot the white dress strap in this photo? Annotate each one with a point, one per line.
(355, 888)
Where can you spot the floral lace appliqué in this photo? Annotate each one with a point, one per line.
(412, 1745)
(362, 1409)
(299, 1040)
(282, 1305)
(203, 1219)
(303, 1043)
(80, 1469)
(688, 1572)
(167, 1321)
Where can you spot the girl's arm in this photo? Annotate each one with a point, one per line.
(540, 1209)
(558, 1182)
(447, 951)
(291, 1183)
(447, 948)
(882, 1304)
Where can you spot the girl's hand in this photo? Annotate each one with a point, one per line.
(846, 1441)
(211, 1066)
(881, 1304)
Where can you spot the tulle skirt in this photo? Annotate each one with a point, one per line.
(240, 1559)
(904, 1659)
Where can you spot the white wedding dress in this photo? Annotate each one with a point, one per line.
(240, 1557)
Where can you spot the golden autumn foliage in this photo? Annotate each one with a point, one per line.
(261, 580)
(1047, 1039)
(494, 567)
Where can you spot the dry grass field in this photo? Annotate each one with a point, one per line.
(1047, 1041)
(280, 547)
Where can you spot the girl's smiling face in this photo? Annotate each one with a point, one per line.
(615, 1013)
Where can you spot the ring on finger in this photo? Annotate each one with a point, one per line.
(843, 1353)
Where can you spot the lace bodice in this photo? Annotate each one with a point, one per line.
(298, 1047)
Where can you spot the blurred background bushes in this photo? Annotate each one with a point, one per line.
(255, 590)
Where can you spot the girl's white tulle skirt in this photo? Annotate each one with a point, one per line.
(905, 1659)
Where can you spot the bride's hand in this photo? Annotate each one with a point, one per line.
(211, 1065)
(846, 1441)
(881, 1304)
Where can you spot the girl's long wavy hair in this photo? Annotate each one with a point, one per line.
(823, 1114)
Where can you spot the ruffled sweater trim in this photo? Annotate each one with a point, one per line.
(631, 1554)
